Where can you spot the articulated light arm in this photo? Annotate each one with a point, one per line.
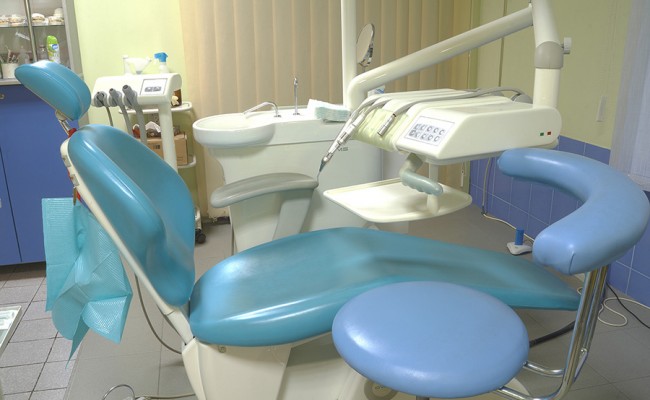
(549, 55)
(548, 60)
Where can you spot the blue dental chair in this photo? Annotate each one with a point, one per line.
(257, 325)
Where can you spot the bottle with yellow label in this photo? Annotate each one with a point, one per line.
(53, 53)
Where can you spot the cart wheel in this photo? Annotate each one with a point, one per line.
(199, 236)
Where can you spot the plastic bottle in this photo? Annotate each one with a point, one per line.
(162, 62)
(41, 53)
(53, 53)
(23, 58)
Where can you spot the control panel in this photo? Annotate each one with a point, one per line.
(152, 89)
(447, 132)
(429, 130)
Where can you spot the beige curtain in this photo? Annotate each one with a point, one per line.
(242, 52)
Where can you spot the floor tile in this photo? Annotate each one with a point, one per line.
(20, 379)
(55, 394)
(17, 396)
(136, 339)
(61, 350)
(34, 330)
(92, 378)
(41, 294)
(25, 277)
(21, 294)
(603, 392)
(36, 310)
(173, 378)
(23, 353)
(638, 389)
(55, 375)
(617, 356)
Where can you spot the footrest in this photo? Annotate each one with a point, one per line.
(431, 339)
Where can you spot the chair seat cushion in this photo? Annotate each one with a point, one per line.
(290, 289)
(431, 339)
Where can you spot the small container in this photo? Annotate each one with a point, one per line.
(8, 70)
(162, 62)
(41, 53)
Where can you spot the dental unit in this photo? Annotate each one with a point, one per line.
(446, 126)
(297, 317)
(138, 92)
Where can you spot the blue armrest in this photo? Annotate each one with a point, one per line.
(260, 185)
(611, 220)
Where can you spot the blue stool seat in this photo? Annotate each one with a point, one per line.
(431, 339)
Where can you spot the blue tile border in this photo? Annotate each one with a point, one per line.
(535, 206)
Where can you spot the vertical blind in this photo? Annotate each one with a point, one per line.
(631, 142)
(240, 53)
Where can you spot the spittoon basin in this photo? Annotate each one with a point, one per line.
(259, 128)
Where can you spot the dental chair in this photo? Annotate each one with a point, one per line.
(258, 324)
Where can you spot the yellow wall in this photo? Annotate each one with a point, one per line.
(591, 72)
(110, 29)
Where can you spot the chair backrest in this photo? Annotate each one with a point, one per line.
(145, 201)
(611, 220)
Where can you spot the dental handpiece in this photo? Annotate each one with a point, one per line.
(341, 138)
(355, 120)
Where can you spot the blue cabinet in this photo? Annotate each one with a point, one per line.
(9, 253)
(30, 137)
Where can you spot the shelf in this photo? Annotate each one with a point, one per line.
(391, 201)
(34, 25)
(185, 106)
(8, 82)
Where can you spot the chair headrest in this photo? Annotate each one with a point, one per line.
(57, 85)
(611, 220)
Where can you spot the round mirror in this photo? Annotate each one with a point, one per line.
(365, 44)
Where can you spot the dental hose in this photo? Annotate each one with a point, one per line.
(357, 117)
(116, 96)
(369, 105)
(131, 99)
(470, 94)
(101, 100)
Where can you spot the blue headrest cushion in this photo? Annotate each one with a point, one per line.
(611, 220)
(58, 86)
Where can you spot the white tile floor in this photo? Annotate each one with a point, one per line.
(33, 366)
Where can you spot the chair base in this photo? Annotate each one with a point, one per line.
(313, 370)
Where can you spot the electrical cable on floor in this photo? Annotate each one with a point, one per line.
(146, 315)
(148, 397)
(145, 397)
(543, 339)
(620, 301)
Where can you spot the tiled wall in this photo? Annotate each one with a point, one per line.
(534, 206)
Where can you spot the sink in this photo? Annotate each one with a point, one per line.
(263, 128)
(234, 130)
